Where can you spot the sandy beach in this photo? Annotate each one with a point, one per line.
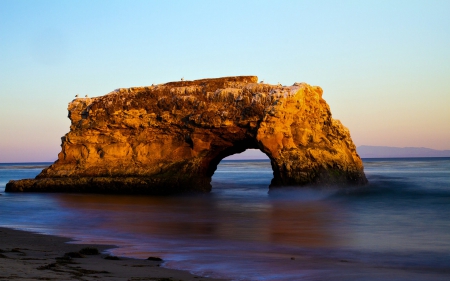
(30, 256)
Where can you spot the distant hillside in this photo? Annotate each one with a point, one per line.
(366, 151)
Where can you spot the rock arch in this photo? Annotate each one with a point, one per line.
(170, 138)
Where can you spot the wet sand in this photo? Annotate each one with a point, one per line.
(30, 256)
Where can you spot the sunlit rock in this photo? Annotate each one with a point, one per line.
(170, 138)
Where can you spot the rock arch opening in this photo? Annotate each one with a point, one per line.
(250, 169)
(237, 148)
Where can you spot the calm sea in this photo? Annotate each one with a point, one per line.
(396, 228)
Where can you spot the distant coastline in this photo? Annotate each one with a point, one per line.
(367, 151)
(364, 151)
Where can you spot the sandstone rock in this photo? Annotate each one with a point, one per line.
(171, 137)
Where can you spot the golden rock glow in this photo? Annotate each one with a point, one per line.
(170, 137)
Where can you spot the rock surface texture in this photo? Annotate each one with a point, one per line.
(170, 138)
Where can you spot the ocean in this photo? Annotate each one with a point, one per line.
(395, 228)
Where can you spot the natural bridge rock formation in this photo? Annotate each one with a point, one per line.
(170, 138)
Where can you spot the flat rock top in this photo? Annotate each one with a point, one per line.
(218, 81)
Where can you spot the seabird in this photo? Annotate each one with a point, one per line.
(86, 96)
(182, 79)
(76, 96)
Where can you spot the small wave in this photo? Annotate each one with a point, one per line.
(397, 188)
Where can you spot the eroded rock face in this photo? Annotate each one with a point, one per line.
(171, 137)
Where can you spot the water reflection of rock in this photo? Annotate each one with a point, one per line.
(143, 214)
(306, 224)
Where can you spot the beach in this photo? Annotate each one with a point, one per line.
(396, 228)
(31, 256)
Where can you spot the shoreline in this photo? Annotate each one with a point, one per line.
(31, 256)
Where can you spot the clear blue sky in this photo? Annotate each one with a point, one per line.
(384, 65)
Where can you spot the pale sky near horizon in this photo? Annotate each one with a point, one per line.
(384, 66)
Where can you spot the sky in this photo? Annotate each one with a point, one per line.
(384, 66)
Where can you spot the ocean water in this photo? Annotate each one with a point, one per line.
(395, 228)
